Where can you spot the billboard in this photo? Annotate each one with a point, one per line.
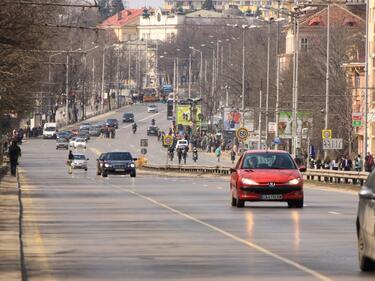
(232, 118)
(304, 124)
(183, 115)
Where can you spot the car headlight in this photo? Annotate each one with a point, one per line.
(248, 181)
(132, 165)
(106, 165)
(294, 181)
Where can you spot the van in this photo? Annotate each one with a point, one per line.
(49, 130)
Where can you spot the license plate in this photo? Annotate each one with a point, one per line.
(272, 197)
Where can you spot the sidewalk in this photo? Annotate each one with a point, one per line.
(10, 268)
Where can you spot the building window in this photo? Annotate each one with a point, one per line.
(357, 80)
(304, 44)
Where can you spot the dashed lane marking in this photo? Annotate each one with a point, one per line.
(334, 213)
(251, 245)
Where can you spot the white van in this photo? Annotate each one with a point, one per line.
(49, 130)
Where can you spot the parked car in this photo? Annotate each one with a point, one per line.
(152, 108)
(267, 175)
(152, 131)
(128, 117)
(116, 163)
(365, 225)
(95, 131)
(100, 163)
(79, 161)
(112, 123)
(62, 143)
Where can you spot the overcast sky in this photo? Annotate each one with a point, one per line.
(148, 3)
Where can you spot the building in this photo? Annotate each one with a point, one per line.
(124, 24)
(371, 77)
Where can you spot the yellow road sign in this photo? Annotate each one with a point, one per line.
(167, 140)
(242, 134)
(326, 134)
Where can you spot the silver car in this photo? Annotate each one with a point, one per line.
(79, 161)
(366, 225)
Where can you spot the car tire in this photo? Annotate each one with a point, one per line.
(86, 170)
(234, 202)
(133, 174)
(240, 203)
(365, 263)
(296, 204)
(104, 174)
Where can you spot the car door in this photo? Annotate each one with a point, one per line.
(367, 214)
(234, 176)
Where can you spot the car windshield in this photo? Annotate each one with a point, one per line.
(79, 157)
(128, 114)
(267, 160)
(119, 156)
(50, 129)
(112, 121)
(80, 140)
(152, 106)
(62, 140)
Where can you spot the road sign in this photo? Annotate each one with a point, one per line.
(144, 142)
(277, 140)
(242, 134)
(144, 151)
(357, 123)
(332, 144)
(326, 134)
(272, 127)
(167, 140)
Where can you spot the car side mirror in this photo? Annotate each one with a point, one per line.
(135, 159)
(366, 193)
(233, 170)
(302, 169)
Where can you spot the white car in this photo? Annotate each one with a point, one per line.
(152, 108)
(79, 161)
(182, 143)
(78, 142)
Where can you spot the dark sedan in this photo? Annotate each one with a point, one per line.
(152, 131)
(121, 163)
(112, 123)
(128, 117)
(366, 225)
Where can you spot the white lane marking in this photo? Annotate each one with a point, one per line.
(205, 185)
(254, 246)
(151, 116)
(219, 187)
(127, 126)
(334, 213)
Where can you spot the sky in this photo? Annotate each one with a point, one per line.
(149, 3)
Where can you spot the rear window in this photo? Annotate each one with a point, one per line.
(267, 160)
(128, 114)
(119, 156)
(50, 129)
(79, 157)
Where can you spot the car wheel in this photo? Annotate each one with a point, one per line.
(86, 170)
(296, 204)
(104, 174)
(365, 263)
(234, 201)
(133, 174)
(240, 203)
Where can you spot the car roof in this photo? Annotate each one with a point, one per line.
(128, 113)
(267, 151)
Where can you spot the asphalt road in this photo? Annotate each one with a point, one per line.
(157, 154)
(84, 227)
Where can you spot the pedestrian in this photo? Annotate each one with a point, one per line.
(233, 155)
(179, 155)
(358, 163)
(69, 162)
(369, 162)
(14, 154)
(218, 153)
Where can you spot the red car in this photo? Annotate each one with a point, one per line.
(267, 175)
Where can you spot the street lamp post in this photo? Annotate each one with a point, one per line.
(327, 75)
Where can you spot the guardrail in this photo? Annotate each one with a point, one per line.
(347, 177)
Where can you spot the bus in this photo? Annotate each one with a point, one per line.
(170, 109)
(150, 95)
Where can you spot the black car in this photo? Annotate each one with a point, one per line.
(152, 131)
(128, 117)
(366, 225)
(121, 163)
(112, 123)
(100, 163)
(64, 135)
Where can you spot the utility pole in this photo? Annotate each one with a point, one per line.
(268, 77)
(365, 133)
(102, 82)
(118, 77)
(84, 87)
(260, 115)
(327, 75)
(243, 77)
(67, 89)
(277, 76)
(189, 85)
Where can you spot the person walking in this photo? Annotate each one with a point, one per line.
(218, 153)
(69, 162)
(233, 155)
(14, 154)
(369, 162)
